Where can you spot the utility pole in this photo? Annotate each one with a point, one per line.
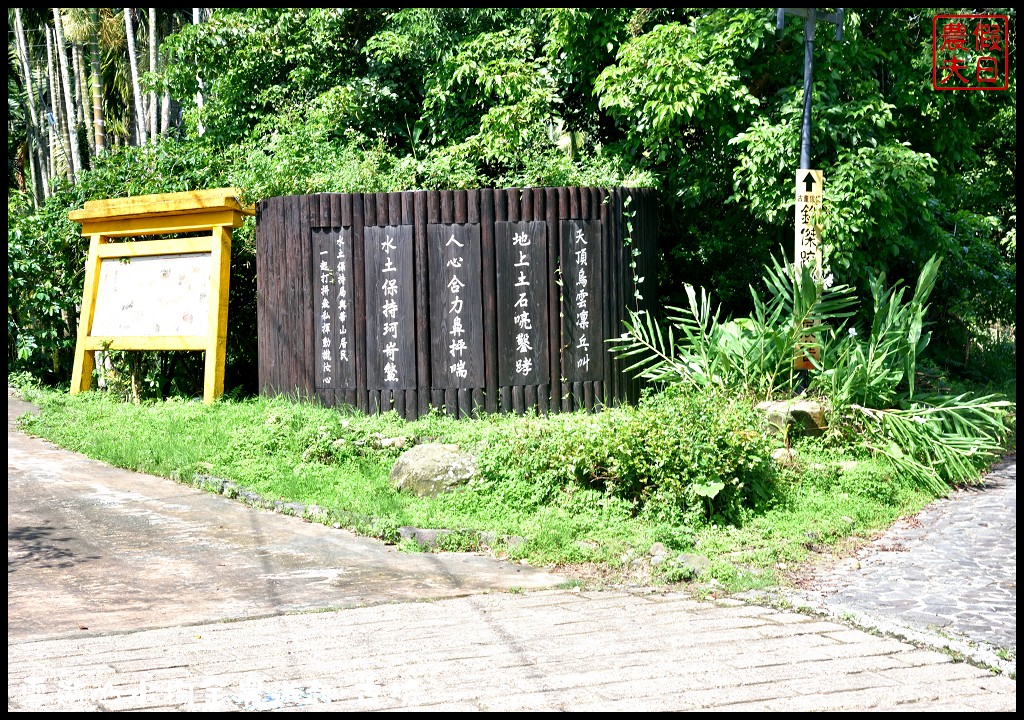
(809, 182)
(810, 16)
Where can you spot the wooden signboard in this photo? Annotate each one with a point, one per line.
(169, 294)
(334, 305)
(583, 337)
(390, 305)
(456, 321)
(522, 307)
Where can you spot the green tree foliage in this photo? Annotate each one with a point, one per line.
(703, 104)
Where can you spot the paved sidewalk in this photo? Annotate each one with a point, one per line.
(946, 577)
(172, 603)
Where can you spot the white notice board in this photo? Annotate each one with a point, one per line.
(154, 295)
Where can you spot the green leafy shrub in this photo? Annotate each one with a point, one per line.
(678, 455)
(868, 378)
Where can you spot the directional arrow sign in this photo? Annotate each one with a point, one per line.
(809, 184)
(807, 249)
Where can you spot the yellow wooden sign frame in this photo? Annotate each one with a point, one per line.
(215, 211)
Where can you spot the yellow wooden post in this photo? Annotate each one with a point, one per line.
(211, 211)
(220, 279)
(81, 373)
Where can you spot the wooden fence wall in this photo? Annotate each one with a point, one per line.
(468, 301)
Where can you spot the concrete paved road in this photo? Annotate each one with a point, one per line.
(95, 549)
(119, 586)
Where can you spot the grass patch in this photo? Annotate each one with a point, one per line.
(688, 474)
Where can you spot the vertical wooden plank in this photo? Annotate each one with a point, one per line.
(554, 328)
(608, 313)
(564, 213)
(641, 261)
(519, 399)
(369, 223)
(625, 206)
(346, 209)
(304, 309)
(500, 215)
(500, 205)
(262, 321)
(465, 402)
(335, 214)
(478, 401)
(588, 395)
(285, 286)
(489, 300)
(585, 207)
(434, 216)
(395, 209)
(615, 273)
(473, 206)
(408, 203)
(531, 397)
(419, 211)
(461, 207)
(451, 402)
(512, 196)
(399, 402)
(526, 209)
(602, 326)
(261, 309)
(324, 214)
(433, 206)
(291, 349)
(276, 301)
(359, 288)
(369, 210)
(381, 201)
(629, 284)
(534, 209)
(447, 207)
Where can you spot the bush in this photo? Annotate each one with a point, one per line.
(679, 455)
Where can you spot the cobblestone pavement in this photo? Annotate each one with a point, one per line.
(946, 577)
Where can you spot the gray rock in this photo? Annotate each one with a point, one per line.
(794, 416)
(425, 537)
(432, 468)
(658, 549)
(784, 456)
